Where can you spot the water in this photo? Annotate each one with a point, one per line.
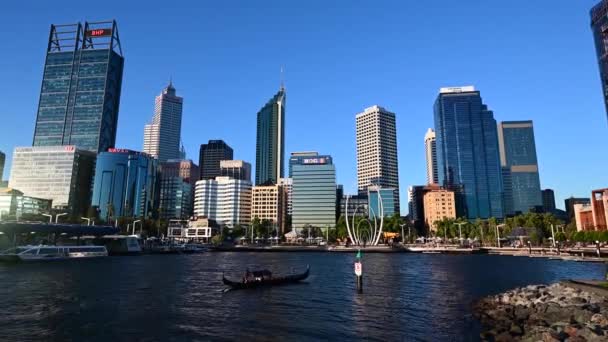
(179, 297)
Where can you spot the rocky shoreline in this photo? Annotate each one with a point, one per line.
(558, 312)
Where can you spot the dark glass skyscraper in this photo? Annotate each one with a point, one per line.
(81, 84)
(467, 150)
(210, 156)
(518, 154)
(599, 26)
(270, 143)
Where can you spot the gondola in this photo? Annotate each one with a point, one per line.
(264, 279)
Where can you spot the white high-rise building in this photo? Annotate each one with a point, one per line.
(162, 136)
(225, 200)
(377, 151)
(430, 148)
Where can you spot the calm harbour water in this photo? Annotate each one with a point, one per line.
(179, 297)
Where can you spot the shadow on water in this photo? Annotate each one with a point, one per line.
(179, 297)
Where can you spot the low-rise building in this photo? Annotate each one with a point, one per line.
(599, 207)
(14, 204)
(439, 204)
(583, 214)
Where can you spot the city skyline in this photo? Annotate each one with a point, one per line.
(571, 179)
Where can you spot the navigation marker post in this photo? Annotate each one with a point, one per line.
(359, 272)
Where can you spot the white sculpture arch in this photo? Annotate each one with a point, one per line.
(374, 232)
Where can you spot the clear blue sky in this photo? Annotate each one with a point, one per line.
(530, 59)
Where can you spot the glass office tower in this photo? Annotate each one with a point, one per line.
(599, 26)
(314, 193)
(270, 143)
(80, 91)
(518, 154)
(126, 184)
(467, 150)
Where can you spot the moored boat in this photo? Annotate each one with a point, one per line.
(49, 253)
(264, 278)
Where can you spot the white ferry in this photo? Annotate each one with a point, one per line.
(48, 253)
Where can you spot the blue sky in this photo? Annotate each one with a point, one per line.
(530, 60)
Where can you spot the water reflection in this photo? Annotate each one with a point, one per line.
(409, 297)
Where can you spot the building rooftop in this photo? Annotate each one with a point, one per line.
(455, 90)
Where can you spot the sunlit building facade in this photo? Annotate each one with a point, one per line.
(62, 174)
(224, 200)
(314, 193)
(467, 150)
(162, 136)
(126, 184)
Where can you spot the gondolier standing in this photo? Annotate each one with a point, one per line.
(359, 272)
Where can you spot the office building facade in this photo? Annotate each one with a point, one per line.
(377, 163)
(599, 208)
(518, 153)
(287, 184)
(126, 184)
(268, 203)
(296, 158)
(548, 200)
(314, 193)
(81, 85)
(177, 179)
(381, 200)
(236, 169)
(210, 156)
(270, 140)
(570, 202)
(599, 27)
(357, 205)
(62, 174)
(467, 150)
(439, 204)
(430, 149)
(163, 135)
(14, 205)
(224, 200)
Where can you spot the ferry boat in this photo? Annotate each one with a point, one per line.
(48, 253)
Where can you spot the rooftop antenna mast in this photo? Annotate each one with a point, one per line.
(282, 78)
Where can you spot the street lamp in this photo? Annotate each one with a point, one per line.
(498, 234)
(57, 217)
(49, 216)
(403, 235)
(140, 226)
(459, 224)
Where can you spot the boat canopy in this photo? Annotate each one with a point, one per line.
(11, 228)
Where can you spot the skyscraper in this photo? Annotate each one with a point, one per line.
(377, 151)
(177, 179)
(548, 200)
(296, 158)
(80, 92)
(2, 161)
(314, 193)
(270, 142)
(210, 156)
(599, 26)
(467, 150)
(163, 135)
(430, 148)
(518, 153)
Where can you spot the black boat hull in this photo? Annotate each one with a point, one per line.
(292, 279)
